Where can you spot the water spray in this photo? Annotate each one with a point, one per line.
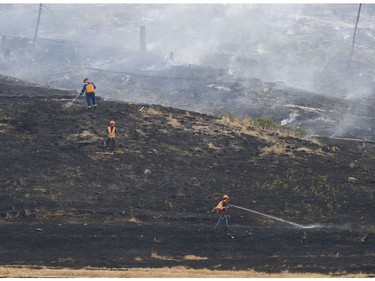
(279, 219)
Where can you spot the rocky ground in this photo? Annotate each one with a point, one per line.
(68, 202)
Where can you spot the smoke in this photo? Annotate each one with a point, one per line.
(292, 117)
(288, 43)
(305, 46)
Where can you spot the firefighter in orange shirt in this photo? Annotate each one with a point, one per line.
(89, 89)
(110, 141)
(222, 209)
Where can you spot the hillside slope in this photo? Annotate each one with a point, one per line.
(66, 201)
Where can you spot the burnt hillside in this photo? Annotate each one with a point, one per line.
(67, 201)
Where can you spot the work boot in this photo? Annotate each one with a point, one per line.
(89, 107)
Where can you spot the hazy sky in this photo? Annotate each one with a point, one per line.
(280, 42)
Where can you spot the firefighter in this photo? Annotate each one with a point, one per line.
(111, 135)
(222, 209)
(89, 88)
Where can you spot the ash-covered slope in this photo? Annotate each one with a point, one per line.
(215, 91)
(78, 204)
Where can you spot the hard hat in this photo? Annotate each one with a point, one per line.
(225, 197)
(112, 122)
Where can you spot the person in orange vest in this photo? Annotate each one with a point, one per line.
(89, 88)
(222, 209)
(111, 135)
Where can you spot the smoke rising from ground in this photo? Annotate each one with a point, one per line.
(305, 46)
(288, 43)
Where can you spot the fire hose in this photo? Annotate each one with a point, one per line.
(269, 216)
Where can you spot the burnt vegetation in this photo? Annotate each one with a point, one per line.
(68, 202)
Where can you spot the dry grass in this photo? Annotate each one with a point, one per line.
(120, 151)
(69, 216)
(244, 126)
(280, 148)
(155, 255)
(100, 155)
(153, 111)
(183, 152)
(173, 121)
(318, 151)
(194, 258)
(4, 127)
(85, 136)
(140, 132)
(275, 149)
(134, 220)
(272, 136)
(289, 133)
(166, 272)
(212, 146)
(229, 121)
(316, 141)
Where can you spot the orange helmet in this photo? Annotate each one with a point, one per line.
(225, 197)
(112, 122)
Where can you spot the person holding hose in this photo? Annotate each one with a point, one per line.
(89, 89)
(222, 209)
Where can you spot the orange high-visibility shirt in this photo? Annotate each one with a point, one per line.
(111, 132)
(219, 208)
(90, 88)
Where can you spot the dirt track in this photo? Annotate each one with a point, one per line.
(66, 202)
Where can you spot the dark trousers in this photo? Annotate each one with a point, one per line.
(222, 219)
(90, 97)
(113, 140)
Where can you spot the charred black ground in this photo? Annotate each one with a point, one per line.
(67, 202)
